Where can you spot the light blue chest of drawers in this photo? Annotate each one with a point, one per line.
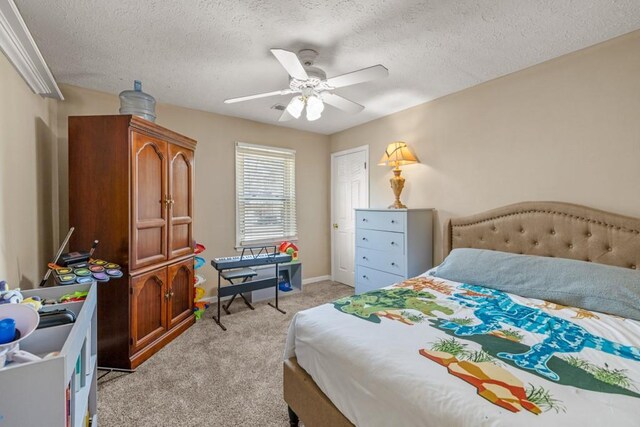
(392, 245)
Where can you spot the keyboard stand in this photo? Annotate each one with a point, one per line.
(233, 289)
(244, 274)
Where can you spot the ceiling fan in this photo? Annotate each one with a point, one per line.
(313, 87)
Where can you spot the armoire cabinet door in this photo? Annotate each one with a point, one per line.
(181, 204)
(180, 302)
(149, 200)
(149, 298)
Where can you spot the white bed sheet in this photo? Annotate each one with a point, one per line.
(375, 375)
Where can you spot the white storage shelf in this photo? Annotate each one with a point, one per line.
(35, 393)
(294, 270)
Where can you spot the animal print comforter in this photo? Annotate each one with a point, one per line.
(431, 352)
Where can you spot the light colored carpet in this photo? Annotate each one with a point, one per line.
(208, 377)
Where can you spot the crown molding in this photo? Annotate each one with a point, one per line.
(20, 48)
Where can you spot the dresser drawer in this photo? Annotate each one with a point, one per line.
(368, 279)
(386, 241)
(390, 262)
(381, 220)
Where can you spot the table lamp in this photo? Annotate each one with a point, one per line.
(397, 154)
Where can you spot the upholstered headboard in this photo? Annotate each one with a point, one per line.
(552, 229)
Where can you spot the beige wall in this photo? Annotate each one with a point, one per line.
(214, 188)
(27, 186)
(566, 130)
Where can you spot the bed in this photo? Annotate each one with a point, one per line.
(429, 351)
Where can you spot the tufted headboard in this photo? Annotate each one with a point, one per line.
(552, 229)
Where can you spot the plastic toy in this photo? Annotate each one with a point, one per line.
(35, 302)
(76, 296)
(199, 306)
(199, 262)
(9, 296)
(289, 249)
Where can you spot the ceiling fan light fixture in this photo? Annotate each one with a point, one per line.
(311, 87)
(312, 117)
(315, 106)
(296, 106)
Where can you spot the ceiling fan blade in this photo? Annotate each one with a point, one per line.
(360, 76)
(285, 117)
(259, 95)
(291, 63)
(341, 103)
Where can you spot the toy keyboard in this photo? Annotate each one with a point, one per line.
(251, 256)
(229, 262)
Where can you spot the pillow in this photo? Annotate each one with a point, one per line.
(596, 287)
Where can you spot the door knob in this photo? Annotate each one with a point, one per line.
(335, 226)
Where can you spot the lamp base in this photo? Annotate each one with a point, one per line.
(397, 184)
(397, 205)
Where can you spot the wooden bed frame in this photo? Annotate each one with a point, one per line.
(552, 229)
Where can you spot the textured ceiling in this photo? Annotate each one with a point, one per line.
(197, 53)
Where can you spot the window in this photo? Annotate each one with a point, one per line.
(265, 194)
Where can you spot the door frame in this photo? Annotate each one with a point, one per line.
(364, 148)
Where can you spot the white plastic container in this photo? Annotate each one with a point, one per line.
(138, 103)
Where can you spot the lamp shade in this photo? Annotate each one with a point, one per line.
(315, 106)
(296, 106)
(398, 154)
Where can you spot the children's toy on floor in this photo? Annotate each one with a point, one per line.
(289, 249)
(284, 283)
(199, 306)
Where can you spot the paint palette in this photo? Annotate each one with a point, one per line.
(101, 277)
(96, 269)
(66, 279)
(82, 272)
(83, 280)
(113, 272)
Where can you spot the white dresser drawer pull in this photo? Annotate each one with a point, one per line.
(393, 243)
(393, 221)
(364, 239)
(365, 258)
(364, 276)
(364, 220)
(393, 264)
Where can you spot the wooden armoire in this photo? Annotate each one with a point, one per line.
(131, 188)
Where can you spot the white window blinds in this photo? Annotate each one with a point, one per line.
(265, 194)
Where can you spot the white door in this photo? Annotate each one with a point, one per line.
(349, 190)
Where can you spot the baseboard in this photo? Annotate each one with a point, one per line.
(213, 300)
(316, 279)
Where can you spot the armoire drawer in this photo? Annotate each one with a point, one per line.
(386, 241)
(381, 220)
(390, 262)
(368, 279)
